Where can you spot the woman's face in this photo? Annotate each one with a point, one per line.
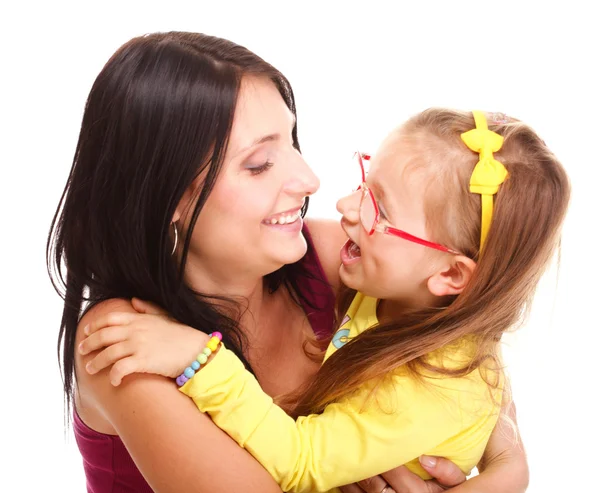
(251, 225)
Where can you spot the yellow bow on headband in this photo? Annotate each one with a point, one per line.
(488, 174)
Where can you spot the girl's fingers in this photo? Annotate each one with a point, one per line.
(147, 307)
(110, 319)
(112, 355)
(124, 367)
(103, 338)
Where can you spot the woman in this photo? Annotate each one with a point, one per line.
(188, 189)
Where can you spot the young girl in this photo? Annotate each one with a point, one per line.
(447, 239)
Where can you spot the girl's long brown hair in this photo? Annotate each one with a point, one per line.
(525, 232)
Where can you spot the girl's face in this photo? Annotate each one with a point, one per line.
(381, 265)
(251, 224)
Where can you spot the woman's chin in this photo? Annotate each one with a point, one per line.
(289, 254)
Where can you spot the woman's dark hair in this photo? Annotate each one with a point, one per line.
(159, 113)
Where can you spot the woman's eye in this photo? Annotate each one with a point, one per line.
(261, 169)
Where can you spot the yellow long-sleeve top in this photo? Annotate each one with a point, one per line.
(351, 440)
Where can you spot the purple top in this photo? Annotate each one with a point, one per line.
(107, 464)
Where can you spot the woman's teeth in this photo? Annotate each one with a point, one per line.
(282, 219)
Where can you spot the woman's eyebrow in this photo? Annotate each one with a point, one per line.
(265, 138)
(258, 141)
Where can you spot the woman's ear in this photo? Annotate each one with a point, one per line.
(452, 277)
(186, 202)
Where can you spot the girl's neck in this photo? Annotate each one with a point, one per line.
(389, 310)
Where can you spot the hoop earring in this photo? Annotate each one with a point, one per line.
(176, 238)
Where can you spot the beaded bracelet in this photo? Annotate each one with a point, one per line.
(211, 347)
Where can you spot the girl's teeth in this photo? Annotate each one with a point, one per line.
(282, 220)
(353, 250)
(273, 221)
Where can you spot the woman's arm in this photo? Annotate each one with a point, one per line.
(175, 447)
(503, 467)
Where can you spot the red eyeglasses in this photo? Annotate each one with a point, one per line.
(370, 216)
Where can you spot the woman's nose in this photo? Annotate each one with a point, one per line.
(304, 182)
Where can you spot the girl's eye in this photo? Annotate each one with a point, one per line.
(261, 169)
(382, 212)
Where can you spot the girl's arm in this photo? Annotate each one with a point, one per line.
(160, 345)
(348, 441)
(175, 447)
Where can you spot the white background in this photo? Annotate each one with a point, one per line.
(357, 71)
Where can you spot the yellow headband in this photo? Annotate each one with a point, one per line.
(488, 174)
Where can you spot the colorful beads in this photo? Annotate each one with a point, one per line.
(201, 359)
(213, 344)
(181, 379)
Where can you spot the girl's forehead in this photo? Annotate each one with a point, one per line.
(393, 159)
(395, 168)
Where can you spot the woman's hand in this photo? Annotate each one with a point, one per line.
(502, 469)
(401, 480)
(146, 342)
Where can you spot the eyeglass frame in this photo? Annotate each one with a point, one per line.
(383, 228)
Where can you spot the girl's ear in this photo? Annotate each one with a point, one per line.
(452, 277)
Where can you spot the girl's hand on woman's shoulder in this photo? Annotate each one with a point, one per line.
(160, 426)
(144, 342)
